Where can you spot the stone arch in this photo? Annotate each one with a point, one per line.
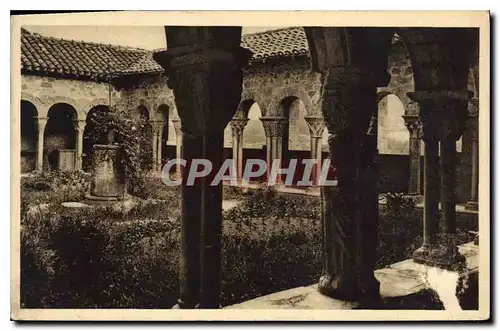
(161, 103)
(244, 107)
(296, 136)
(392, 132)
(29, 137)
(439, 63)
(96, 102)
(141, 111)
(257, 97)
(36, 102)
(290, 92)
(60, 136)
(164, 113)
(143, 116)
(77, 106)
(254, 136)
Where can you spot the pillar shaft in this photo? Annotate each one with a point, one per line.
(316, 127)
(349, 225)
(206, 80)
(273, 128)
(178, 145)
(443, 115)
(237, 127)
(157, 127)
(79, 129)
(41, 123)
(448, 148)
(155, 147)
(472, 204)
(415, 129)
(431, 190)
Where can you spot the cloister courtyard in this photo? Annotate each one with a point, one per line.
(100, 229)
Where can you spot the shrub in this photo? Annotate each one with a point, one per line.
(104, 258)
(55, 186)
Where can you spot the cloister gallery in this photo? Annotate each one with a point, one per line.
(425, 86)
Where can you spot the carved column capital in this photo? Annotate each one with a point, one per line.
(176, 121)
(79, 125)
(316, 126)
(41, 121)
(238, 125)
(414, 126)
(207, 85)
(274, 126)
(156, 125)
(443, 113)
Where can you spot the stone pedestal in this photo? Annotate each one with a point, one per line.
(108, 177)
(66, 159)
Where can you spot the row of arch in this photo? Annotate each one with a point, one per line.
(392, 131)
(60, 133)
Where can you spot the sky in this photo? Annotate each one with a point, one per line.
(147, 37)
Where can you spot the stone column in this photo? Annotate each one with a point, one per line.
(454, 128)
(415, 128)
(316, 127)
(204, 65)
(349, 226)
(442, 117)
(274, 127)
(176, 121)
(156, 127)
(41, 123)
(237, 127)
(79, 126)
(472, 204)
(159, 153)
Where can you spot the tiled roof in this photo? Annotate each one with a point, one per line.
(93, 60)
(279, 43)
(85, 59)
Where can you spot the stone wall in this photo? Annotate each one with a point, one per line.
(44, 92)
(268, 86)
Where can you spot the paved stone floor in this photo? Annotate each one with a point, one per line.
(398, 280)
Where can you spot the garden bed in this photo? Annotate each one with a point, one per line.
(108, 258)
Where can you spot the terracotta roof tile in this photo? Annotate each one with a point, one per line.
(286, 42)
(69, 57)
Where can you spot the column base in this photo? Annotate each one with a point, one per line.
(347, 289)
(441, 256)
(471, 205)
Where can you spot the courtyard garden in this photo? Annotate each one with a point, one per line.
(126, 255)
